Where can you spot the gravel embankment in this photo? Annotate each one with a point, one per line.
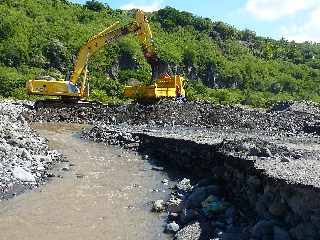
(24, 156)
(291, 118)
(293, 160)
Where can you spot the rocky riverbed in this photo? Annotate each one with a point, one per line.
(25, 159)
(254, 172)
(288, 117)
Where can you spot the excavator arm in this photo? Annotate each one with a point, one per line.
(140, 26)
(145, 38)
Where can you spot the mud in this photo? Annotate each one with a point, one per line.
(106, 194)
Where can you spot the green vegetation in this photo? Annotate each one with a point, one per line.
(222, 64)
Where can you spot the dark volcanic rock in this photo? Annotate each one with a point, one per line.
(191, 114)
(200, 194)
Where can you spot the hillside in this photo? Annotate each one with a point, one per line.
(223, 64)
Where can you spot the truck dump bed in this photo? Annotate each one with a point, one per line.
(165, 87)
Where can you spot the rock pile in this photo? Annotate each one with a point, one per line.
(306, 107)
(204, 213)
(111, 136)
(24, 156)
(300, 117)
(200, 212)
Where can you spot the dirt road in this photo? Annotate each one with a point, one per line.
(106, 194)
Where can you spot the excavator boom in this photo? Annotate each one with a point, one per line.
(140, 26)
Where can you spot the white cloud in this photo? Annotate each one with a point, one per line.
(275, 9)
(154, 6)
(271, 10)
(308, 31)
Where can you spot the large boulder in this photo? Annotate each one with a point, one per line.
(200, 194)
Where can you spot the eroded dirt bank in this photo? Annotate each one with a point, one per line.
(104, 193)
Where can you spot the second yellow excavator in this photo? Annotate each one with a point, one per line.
(76, 86)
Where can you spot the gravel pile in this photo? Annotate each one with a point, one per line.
(24, 156)
(297, 107)
(111, 136)
(299, 117)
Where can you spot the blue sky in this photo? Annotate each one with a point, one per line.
(297, 20)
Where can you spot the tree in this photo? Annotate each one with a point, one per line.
(95, 5)
(56, 53)
(189, 57)
(224, 31)
(248, 35)
(202, 24)
(6, 30)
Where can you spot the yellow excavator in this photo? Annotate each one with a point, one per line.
(76, 86)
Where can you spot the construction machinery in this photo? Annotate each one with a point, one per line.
(76, 86)
(165, 87)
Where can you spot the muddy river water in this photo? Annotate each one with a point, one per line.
(106, 194)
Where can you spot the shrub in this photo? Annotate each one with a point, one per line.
(95, 5)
